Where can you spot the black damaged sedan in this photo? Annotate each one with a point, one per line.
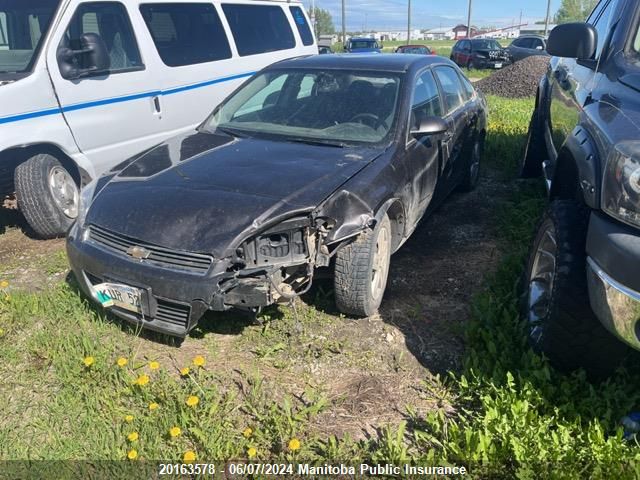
(325, 161)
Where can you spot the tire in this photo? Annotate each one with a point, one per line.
(531, 164)
(47, 195)
(472, 176)
(470, 65)
(361, 271)
(560, 322)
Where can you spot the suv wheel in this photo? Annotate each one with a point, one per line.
(560, 321)
(361, 271)
(531, 163)
(47, 195)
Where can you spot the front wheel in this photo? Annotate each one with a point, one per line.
(470, 65)
(361, 271)
(47, 195)
(560, 321)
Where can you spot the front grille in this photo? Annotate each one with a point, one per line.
(160, 256)
(167, 311)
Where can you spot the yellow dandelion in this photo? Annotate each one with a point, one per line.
(142, 380)
(294, 444)
(252, 452)
(189, 456)
(192, 400)
(198, 361)
(184, 371)
(153, 406)
(1, 332)
(247, 432)
(132, 455)
(175, 432)
(122, 362)
(88, 361)
(132, 437)
(154, 365)
(4, 284)
(128, 418)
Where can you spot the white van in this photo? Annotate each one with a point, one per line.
(86, 84)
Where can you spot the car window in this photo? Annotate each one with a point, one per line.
(111, 21)
(186, 33)
(302, 25)
(264, 98)
(467, 89)
(451, 87)
(4, 40)
(536, 42)
(526, 43)
(259, 28)
(426, 99)
(600, 19)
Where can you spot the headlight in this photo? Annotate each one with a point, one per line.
(86, 196)
(621, 184)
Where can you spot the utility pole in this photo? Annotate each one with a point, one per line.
(344, 27)
(469, 20)
(546, 20)
(409, 24)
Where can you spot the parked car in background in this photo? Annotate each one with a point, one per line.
(583, 276)
(323, 161)
(85, 84)
(480, 53)
(362, 45)
(325, 50)
(527, 46)
(415, 50)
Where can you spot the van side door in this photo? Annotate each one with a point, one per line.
(113, 114)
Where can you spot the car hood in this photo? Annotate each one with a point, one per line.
(364, 50)
(206, 192)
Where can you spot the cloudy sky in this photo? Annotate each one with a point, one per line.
(392, 14)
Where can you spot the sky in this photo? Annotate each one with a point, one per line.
(392, 14)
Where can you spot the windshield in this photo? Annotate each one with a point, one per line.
(416, 50)
(333, 107)
(364, 44)
(23, 25)
(486, 45)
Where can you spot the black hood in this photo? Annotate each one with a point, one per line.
(202, 191)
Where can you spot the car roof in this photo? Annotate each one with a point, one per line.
(381, 62)
(412, 46)
(363, 38)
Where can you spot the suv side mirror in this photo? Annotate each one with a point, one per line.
(430, 126)
(92, 58)
(573, 40)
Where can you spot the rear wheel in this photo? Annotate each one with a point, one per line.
(470, 65)
(531, 163)
(472, 176)
(361, 271)
(560, 321)
(47, 195)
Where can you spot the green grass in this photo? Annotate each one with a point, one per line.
(507, 414)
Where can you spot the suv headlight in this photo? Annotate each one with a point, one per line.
(621, 184)
(86, 197)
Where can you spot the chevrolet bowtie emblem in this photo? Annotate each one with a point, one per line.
(138, 252)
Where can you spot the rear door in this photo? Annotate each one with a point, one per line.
(572, 84)
(112, 116)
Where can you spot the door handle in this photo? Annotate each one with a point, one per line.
(156, 105)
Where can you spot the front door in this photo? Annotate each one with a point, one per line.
(116, 114)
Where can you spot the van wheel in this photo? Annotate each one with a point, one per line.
(531, 163)
(47, 195)
(361, 271)
(472, 176)
(559, 318)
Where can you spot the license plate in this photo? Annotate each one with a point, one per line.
(118, 295)
(498, 65)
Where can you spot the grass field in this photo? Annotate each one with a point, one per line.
(77, 385)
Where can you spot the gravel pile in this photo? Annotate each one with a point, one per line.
(517, 80)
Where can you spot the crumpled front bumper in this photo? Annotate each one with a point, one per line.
(613, 277)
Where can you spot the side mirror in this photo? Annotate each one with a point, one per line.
(91, 58)
(539, 47)
(573, 40)
(430, 126)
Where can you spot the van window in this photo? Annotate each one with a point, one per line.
(186, 33)
(303, 25)
(22, 26)
(451, 87)
(259, 28)
(111, 21)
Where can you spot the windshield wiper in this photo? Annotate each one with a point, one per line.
(318, 143)
(231, 132)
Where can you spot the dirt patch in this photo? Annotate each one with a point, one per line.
(369, 370)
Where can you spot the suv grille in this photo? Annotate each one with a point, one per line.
(163, 257)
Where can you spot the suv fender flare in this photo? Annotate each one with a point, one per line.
(579, 149)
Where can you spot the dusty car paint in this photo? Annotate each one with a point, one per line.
(231, 199)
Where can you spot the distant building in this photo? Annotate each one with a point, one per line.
(327, 40)
(442, 33)
(535, 29)
(397, 36)
(460, 31)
